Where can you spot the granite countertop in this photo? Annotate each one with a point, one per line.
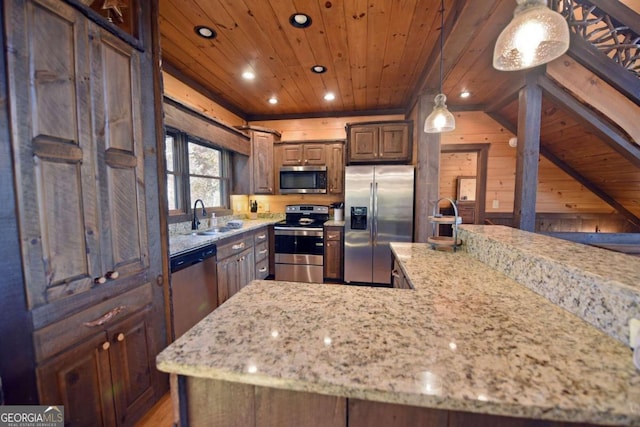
(184, 242)
(334, 223)
(467, 338)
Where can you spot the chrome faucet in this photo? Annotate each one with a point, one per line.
(195, 223)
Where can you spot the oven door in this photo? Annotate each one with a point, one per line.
(299, 246)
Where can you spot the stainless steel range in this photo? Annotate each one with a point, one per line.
(299, 244)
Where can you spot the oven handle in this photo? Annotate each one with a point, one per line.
(301, 231)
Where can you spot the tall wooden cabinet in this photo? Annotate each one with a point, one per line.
(82, 118)
(255, 174)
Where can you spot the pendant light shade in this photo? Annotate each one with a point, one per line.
(536, 35)
(440, 119)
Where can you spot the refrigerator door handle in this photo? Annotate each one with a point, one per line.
(371, 214)
(374, 227)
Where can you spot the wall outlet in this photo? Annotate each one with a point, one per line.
(634, 332)
(495, 204)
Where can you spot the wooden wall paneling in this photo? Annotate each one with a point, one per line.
(17, 373)
(216, 403)
(276, 408)
(364, 413)
(527, 154)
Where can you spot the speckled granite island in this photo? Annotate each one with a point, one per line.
(467, 346)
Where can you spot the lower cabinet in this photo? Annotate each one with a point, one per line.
(236, 266)
(333, 267)
(398, 279)
(261, 253)
(105, 380)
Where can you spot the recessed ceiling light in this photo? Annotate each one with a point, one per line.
(329, 96)
(318, 69)
(465, 94)
(273, 100)
(248, 75)
(205, 32)
(300, 20)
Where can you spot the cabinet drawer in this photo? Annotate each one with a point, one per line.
(262, 269)
(262, 251)
(234, 245)
(261, 236)
(332, 235)
(58, 336)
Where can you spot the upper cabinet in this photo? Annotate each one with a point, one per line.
(303, 154)
(255, 174)
(335, 168)
(379, 142)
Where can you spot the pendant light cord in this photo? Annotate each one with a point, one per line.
(441, 40)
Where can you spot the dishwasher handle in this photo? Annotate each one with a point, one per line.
(192, 257)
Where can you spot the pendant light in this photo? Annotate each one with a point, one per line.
(440, 119)
(536, 35)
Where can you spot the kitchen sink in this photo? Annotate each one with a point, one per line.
(212, 231)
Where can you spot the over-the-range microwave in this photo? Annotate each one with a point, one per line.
(303, 179)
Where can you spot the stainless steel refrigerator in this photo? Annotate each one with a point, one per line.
(378, 210)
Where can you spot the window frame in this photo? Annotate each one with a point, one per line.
(184, 211)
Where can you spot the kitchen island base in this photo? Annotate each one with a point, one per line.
(207, 402)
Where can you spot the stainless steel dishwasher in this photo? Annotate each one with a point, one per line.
(194, 290)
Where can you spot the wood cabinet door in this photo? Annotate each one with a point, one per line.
(246, 268)
(363, 143)
(80, 379)
(54, 151)
(227, 273)
(262, 153)
(394, 142)
(292, 154)
(333, 253)
(132, 367)
(314, 154)
(116, 115)
(335, 168)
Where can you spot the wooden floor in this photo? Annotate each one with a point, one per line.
(161, 415)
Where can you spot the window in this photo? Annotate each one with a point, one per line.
(196, 169)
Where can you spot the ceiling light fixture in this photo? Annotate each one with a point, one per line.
(205, 32)
(319, 69)
(273, 100)
(300, 20)
(465, 94)
(536, 35)
(440, 119)
(248, 75)
(329, 96)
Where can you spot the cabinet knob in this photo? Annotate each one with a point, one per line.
(112, 275)
(106, 345)
(263, 269)
(100, 280)
(120, 337)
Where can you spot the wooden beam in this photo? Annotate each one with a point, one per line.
(590, 186)
(587, 86)
(528, 154)
(196, 124)
(610, 135)
(427, 172)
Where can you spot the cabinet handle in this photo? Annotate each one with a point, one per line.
(106, 345)
(120, 337)
(238, 246)
(112, 275)
(263, 269)
(395, 274)
(105, 317)
(331, 236)
(261, 237)
(264, 251)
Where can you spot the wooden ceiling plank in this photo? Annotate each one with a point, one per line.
(393, 86)
(357, 15)
(336, 28)
(590, 119)
(591, 186)
(379, 13)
